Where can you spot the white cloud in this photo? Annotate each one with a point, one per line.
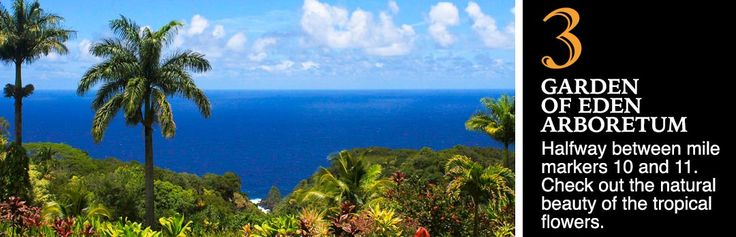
(262, 43)
(282, 66)
(218, 32)
(259, 48)
(237, 42)
(485, 26)
(511, 27)
(336, 27)
(84, 46)
(378, 65)
(199, 35)
(53, 56)
(197, 25)
(257, 56)
(309, 65)
(441, 16)
(178, 41)
(393, 7)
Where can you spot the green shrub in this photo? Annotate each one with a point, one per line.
(14, 178)
(172, 199)
(175, 226)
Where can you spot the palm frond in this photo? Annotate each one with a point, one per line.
(164, 114)
(114, 48)
(9, 90)
(312, 195)
(478, 121)
(51, 40)
(107, 91)
(135, 92)
(104, 115)
(187, 60)
(167, 32)
(493, 184)
(126, 29)
(196, 95)
(498, 121)
(97, 211)
(28, 90)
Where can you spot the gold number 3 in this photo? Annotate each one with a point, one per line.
(573, 43)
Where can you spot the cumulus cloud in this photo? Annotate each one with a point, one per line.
(84, 46)
(441, 16)
(282, 66)
(310, 65)
(194, 32)
(393, 7)
(197, 25)
(336, 27)
(485, 26)
(259, 48)
(511, 27)
(237, 42)
(218, 32)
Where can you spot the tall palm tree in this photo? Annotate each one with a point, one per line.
(498, 122)
(136, 79)
(350, 179)
(28, 32)
(489, 185)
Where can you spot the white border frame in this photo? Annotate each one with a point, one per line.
(519, 100)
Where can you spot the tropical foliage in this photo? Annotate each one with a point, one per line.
(482, 185)
(498, 121)
(410, 196)
(104, 197)
(80, 187)
(351, 179)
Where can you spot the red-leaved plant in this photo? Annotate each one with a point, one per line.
(19, 214)
(63, 227)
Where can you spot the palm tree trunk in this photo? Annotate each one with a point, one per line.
(506, 150)
(18, 104)
(149, 219)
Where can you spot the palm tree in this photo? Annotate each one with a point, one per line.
(351, 179)
(137, 80)
(489, 185)
(498, 122)
(27, 33)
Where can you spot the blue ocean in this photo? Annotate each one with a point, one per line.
(266, 137)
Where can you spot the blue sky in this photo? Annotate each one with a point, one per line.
(306, 44)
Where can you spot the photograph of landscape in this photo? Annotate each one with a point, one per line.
(257, 118)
